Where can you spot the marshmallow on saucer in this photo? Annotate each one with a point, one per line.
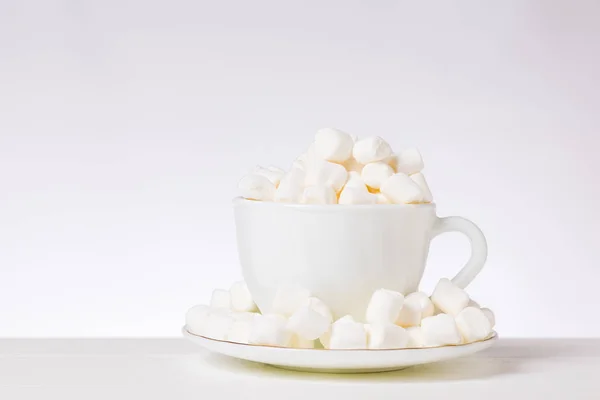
(423, 301)
(272, 173)
(244, 316)
(333, 145)
(256, 187)
(305, 160)
(449, 298)
(355, 181)
(218, 324)
(270, 330)
(240, 330)
(276, 169)
(291, 187)
(400, 189)
(320, 194)
(354, 195)
(241, 299)
(419, 179)
(410, 314)
(473, 324)
(346, 334)
(490, 316)
(320, 307)
(308, 324)
(220, 299)
(325, 173)
(381, 199)
(374, 174)
(345, 318)
(196, 318)
(288, 299)
(386, 336)
(325, 338)
(408, 161)
(352, 165)
(384, 306)
(371, 149)
(486, 311)
(440, 330)
(415, 337)
(299, 343)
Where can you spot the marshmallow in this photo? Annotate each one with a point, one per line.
(473, 303)
(486, 311)
(440, 330)
(423, 301)
(306, 159)
(241, 299)
(288, 299)
(473, 325)
(381, 199)
(408, 161)
(400, 189)
(352, 165)
(419, 179)
(345, 318)
(371, 149)
(220, 299)
(196, 319)
(276, 169)
(348, 335)
(218, 324)
(355, 181)
(319, 195)
(386, 336)
(325, 339)
(239, 331)
(415, 337)
(325, 173)
(308, 324)
(354, 175)
(384, 306)
(410, 314)
(374, 174)
(270, 330)
(272, 173)
(297, 165)
(298, 343)
(320, 307)
(449, 298)
(333, 145)
(490, 316)
(256, 187)
(244, 316)
(291, 187)
(354, 195)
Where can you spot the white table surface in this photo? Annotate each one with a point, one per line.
(173, 368)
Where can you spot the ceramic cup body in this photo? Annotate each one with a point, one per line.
(341, 254)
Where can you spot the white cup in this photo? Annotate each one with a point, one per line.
(342, 253)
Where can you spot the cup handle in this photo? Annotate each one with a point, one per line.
(478, 246)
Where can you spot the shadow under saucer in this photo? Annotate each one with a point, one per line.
(467, 368)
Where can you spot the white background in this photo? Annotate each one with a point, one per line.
(125, 125)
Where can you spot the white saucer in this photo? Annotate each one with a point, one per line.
(338, 361)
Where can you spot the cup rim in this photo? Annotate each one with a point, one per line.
(239, 201)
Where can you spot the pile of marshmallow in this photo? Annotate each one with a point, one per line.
(298, 320)
(341, 169)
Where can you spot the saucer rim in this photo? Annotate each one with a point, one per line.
(186, 332)
(241, 201)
